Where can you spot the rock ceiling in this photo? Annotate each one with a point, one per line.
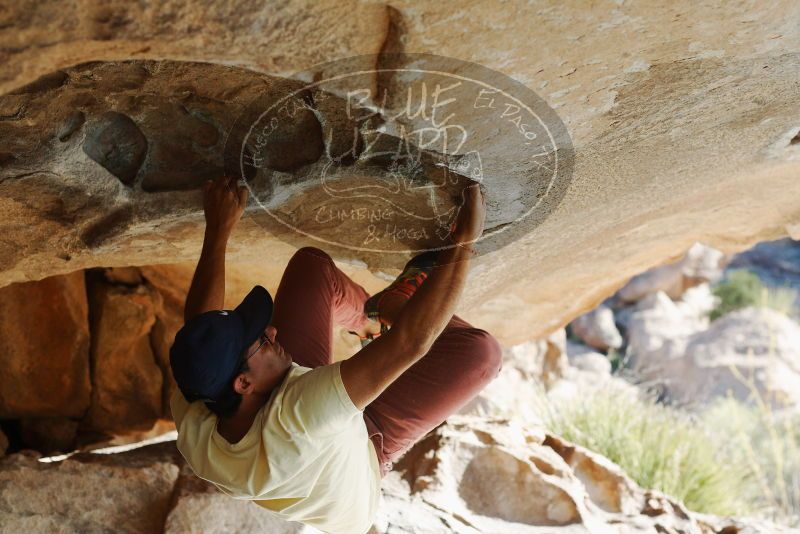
(683, 118)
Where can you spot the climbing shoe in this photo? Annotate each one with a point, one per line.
(414, 273)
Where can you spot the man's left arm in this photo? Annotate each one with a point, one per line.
(223, 205)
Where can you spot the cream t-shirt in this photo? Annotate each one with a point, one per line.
(307, 457)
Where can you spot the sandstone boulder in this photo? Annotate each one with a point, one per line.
(172, 284)
(87, 493)
(130, 276)
(156, 136)
(492, 476)
(127, 380)
(752, 354)
(44, 339)
(747, 352)
(588, 372)
(658, 326)
(585, 359)
(597, 329)
(543, 360)
(199, 507)
(701, 263)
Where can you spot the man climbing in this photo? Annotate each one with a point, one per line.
(266, 415)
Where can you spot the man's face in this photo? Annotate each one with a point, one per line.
(268, 361)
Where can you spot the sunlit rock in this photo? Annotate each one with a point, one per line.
(597, 329)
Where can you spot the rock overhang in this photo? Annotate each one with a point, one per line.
(107, 149)
(672, 123)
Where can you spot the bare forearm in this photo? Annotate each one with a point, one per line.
(375, 367)
(367, 374)
(207, 291)
(429, 310)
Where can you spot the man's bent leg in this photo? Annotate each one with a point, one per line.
(312, 295)
(461, 362)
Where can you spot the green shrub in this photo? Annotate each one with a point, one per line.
(742, 288)
(660, 448)
(617, 359)
(769, 444)
(782, 299)
(739, 289)
(733, 459)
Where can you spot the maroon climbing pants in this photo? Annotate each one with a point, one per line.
(314, 294)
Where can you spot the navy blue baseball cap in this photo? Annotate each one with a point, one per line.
(209, 349)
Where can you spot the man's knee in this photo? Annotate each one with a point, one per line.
(487, 352)
(312, 254)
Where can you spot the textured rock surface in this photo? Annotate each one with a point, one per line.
(126, 379)
(201, 507)
(87, 493)
(115, 142)
(628, 80)
(153, 134)
(683, 116)
(44, 339)
(470, 475)
(476, 475)
(116, 380)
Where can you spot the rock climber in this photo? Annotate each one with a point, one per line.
(265, 414)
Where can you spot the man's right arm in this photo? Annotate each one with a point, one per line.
(370, 371)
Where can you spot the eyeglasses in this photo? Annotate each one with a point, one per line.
(264, 339)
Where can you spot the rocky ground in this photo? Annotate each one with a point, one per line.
(471, 475)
